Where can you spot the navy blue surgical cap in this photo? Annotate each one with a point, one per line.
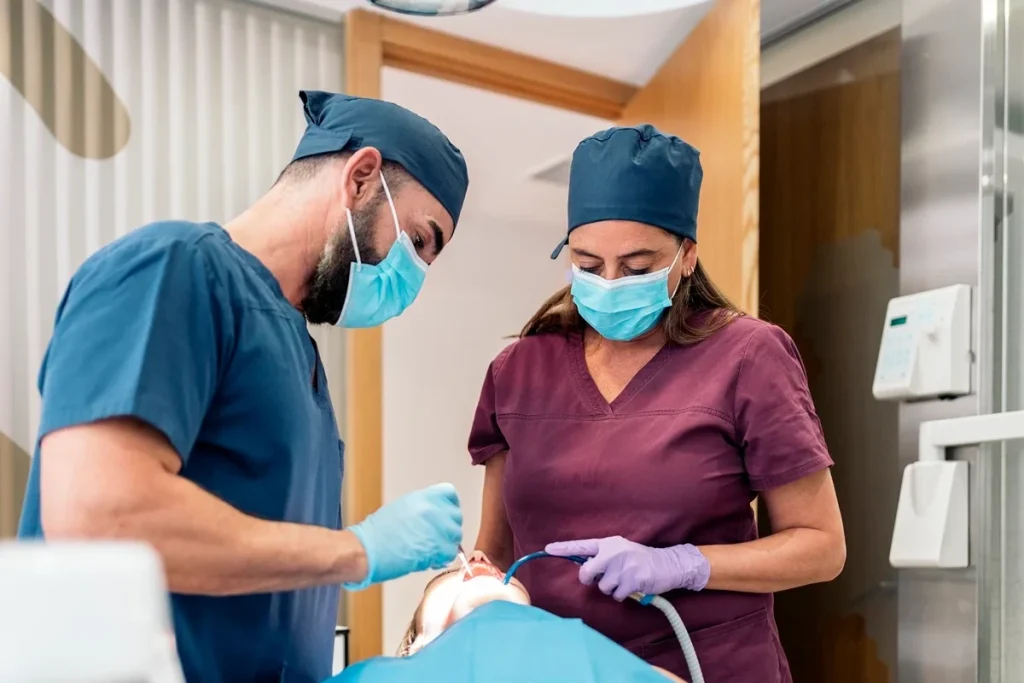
(336, 123)
(635, 174)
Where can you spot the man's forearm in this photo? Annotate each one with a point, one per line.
(210, 548)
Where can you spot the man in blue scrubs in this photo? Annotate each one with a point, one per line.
(185, 404)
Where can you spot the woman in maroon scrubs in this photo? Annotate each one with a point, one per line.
(637, 418)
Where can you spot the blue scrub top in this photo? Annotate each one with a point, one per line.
(177, 326)
(502, 641)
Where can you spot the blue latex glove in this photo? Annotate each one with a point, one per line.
(419, 531)
(622, 567)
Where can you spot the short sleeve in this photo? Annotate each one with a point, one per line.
(137, 335)
(485, 437)
(779, 430)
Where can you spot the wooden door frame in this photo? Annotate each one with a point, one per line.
(372, 42)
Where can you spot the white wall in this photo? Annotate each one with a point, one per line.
(488, 283)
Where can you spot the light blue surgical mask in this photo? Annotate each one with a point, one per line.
(378, 293)
(625, 308)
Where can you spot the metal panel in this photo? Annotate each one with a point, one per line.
(1005, 606)
(946, 237)
(115, 113)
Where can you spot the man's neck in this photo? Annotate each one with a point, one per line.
(286, 237)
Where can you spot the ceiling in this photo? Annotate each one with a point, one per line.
(628, 48)
(517, 150)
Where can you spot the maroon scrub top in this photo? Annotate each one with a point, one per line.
(677, 457)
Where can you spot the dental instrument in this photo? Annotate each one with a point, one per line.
(467, 573)
(661, 603)
(462, 558)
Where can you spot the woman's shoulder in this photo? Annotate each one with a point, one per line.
(749, 345)
(535, 351)
(745, 341)
(751, 333)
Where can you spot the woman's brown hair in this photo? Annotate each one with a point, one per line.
(699, 309)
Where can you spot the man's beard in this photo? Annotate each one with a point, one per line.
(328, 285)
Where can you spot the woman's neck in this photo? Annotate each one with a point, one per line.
(646, 343)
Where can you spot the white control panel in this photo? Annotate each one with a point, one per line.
(926, 346)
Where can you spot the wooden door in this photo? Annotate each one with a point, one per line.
(707, 93)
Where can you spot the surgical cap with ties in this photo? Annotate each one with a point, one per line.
(635, 173)
(343, 123)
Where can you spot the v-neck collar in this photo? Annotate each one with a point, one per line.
(588, 387)
(264, 274)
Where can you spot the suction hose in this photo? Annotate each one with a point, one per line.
(657, 601)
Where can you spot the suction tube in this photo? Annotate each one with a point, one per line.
(657, 601)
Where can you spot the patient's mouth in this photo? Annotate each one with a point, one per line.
(482, 583)
(477, 569)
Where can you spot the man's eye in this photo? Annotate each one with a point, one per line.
(418, 242)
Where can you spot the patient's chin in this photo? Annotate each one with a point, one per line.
(482, 590)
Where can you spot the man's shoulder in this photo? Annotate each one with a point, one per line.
(180, 242)
(167, 235)
(175, 259)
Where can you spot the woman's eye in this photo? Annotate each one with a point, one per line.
(633, 271)
(590, 269)
(418, 242)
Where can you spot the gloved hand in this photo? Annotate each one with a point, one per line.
(622, 567)
(419, 531)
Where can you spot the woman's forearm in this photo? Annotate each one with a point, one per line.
(495, 536)
(787, 559)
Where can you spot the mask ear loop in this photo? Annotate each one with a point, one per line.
(352, 236)
(352, 227)
(391, 205)
(674, 261)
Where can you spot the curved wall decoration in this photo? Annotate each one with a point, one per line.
(44, 61)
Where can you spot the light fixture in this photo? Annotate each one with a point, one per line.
(597, 9)
(431, 8)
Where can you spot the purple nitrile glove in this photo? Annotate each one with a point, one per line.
(622, 567)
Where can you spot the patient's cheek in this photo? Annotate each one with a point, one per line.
(480, 591)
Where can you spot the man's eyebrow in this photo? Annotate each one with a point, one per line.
(438, 235)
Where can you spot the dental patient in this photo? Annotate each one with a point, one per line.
(470, 626)
(453, 594)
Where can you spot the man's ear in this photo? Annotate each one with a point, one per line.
(361, 175)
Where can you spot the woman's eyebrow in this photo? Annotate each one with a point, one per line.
(640, 252)
(633, 254)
